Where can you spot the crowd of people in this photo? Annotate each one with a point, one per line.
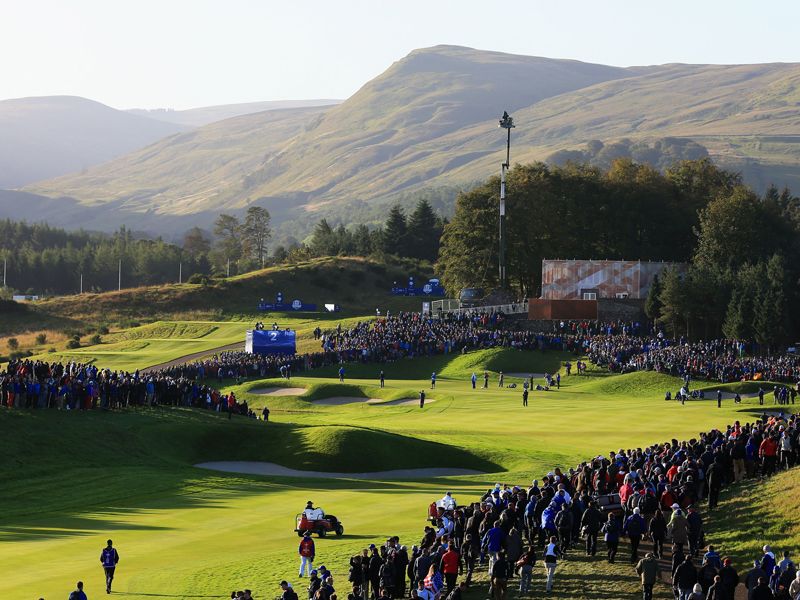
(659, 493)
(617, 346)
(655, 492)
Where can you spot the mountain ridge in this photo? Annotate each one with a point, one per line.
(430, 120)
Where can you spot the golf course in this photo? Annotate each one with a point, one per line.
(72, 479)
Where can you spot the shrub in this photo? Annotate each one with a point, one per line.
(73, 343)
(13, 344)
(96, 339)
(199, 278)
(41, 338)
(51, 350)
(103, 330)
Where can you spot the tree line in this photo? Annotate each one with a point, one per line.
(741, 279)
(43, 260)
(39, 259)
(415, 236)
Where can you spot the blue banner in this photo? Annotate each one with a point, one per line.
(295, 305)
(431, 288)
(261, 341)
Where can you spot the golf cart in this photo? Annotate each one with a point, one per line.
(323, 526)
(609, 503)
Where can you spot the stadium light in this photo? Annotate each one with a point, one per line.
(507, 123)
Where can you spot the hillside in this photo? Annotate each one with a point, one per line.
(358, 285)
(197, 117)
(44, 137)
(430, 121)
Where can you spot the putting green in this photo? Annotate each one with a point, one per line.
(71, 479)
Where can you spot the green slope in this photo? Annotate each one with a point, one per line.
(73, 479)
(358, 285)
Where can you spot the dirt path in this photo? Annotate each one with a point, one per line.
(271, 469)
(190, 357)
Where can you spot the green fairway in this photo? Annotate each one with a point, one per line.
(164, 341)
(74, 479)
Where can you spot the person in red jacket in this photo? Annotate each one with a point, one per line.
(768, 451)
(449, 566)
(306, 552)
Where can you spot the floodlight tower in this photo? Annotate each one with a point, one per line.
(507, 123)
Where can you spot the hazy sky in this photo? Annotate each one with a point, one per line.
(186, 53)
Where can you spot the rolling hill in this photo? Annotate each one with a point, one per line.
(197, 117)
(48, 136)
(430, 121)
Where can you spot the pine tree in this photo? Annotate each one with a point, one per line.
(673, 309)
(395, 232)
(322, 243)
(362, 239)
(652, 305)
(424, 231)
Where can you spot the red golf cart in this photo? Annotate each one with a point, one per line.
(323, 526)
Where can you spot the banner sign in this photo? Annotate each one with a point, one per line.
(260, 341)
(432, 288)
(295, 305)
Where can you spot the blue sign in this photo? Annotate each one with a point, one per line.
(432, 288)
(260, 341)
(294, 306)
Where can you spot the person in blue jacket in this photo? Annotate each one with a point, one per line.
(493, 540)
(78, 594)
(109, 559)
(549, 519)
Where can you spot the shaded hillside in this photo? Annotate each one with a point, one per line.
(358, 285)
(430, 121)
(48, 136)
(197, 117)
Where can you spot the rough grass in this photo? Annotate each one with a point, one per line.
(758, 513)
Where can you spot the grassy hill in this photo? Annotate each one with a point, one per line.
(226, 306)
(44, 137)
(197, 117)
(185, 532)
(430, 121)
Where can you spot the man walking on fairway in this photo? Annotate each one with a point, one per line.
(306, 552)
(109, 559)
(422, 398)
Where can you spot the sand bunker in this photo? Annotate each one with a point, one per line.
(271, 469)
(340, 400)
(278, 391)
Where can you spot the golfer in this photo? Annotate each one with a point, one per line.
(109, 558)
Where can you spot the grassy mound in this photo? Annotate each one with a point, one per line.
(178, 437)
(506, 360)
(639, 383)
(758, 513)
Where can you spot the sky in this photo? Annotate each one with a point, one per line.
(189, 53)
